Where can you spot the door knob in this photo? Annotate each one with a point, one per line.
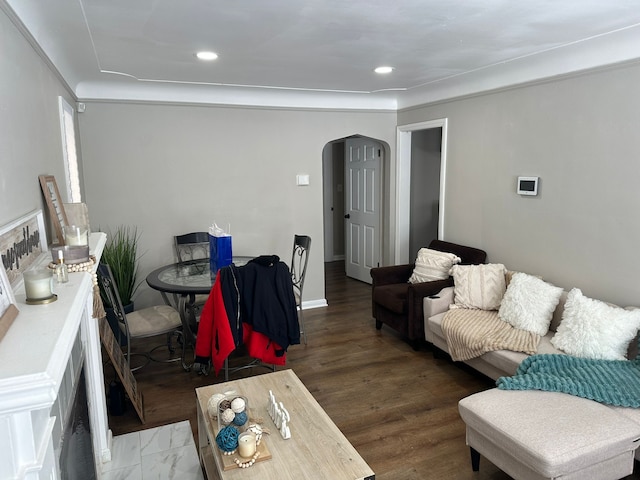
(347, 216)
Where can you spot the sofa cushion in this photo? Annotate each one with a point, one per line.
(393, 297)
(479, 286)
(432, 265)
(593, 329)
(528, 303)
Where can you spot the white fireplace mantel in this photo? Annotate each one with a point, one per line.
(40, 360)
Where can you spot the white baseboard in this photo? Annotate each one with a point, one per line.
(314, 304)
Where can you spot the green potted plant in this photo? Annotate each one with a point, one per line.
(121, 254)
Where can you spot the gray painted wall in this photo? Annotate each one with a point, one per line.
(580, 135)
(171, 169)
(30, 138)
(425, 188)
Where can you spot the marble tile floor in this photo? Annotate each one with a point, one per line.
(162, 453)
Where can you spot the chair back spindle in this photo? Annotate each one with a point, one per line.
(299, 261)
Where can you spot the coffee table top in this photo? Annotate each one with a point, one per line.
(316, 449)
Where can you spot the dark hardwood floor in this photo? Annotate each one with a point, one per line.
(398, 407)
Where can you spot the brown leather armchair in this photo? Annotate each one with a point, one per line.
(398, 303)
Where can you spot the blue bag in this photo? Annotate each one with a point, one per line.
(220, 253)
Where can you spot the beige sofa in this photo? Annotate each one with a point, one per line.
(541, 448)
(495, 364)
(492, 364)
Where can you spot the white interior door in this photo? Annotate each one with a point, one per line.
(363, 160)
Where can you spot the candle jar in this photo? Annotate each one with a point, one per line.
(38, 285)
(76, 235)
(246, 444)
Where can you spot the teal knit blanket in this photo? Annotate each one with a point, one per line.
(613, 382)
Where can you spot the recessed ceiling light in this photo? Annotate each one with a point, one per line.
(384, 70)
(207, 55)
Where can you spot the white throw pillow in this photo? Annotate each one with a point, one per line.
(432, 265)
(479, 286)
(528, 303)
(593, 329)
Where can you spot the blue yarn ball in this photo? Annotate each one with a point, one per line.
(240, 419)
(227, 438)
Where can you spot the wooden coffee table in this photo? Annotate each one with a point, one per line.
(316, 450)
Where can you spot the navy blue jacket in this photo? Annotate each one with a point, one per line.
(263, 292)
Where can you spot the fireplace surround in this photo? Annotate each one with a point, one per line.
(41, 357)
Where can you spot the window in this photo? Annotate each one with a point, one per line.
(69, 154)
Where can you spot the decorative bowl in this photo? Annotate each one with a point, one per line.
(72, 254)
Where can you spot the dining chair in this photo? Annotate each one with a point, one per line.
(143, 323)
(190, 248)
(299, 260)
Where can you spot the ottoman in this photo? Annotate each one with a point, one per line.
(536, 435)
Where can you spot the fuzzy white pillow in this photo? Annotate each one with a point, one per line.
(432, 265)
(528, 303)
(479, 286)
(593, 329)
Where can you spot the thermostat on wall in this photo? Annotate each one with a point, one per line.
(528, 185)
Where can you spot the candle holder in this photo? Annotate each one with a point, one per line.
(76, 235)
(246, 444)
(38, 285)
(72, 254)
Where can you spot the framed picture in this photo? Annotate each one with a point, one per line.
(8, 309)
(55, 205)
(21, 243)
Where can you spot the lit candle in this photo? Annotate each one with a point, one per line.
(37, 284)
(246, 444)
(76, 235)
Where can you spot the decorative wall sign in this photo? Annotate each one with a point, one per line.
(21, 243)
(120, 366)
(54, 202)
(8, 310)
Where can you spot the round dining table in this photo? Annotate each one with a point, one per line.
(184, 281)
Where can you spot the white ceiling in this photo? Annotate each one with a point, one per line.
(321, 53)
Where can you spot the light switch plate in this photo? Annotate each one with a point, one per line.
(302, 179)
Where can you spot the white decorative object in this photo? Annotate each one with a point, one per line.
(479, 286)
(212, 405)
(38, 284)
(528, 303)
(246, 444)
(279, 415)
(257, 431)
(238, 405)
(76, 235)
(227, 416)
(432, 265)
(593, 329)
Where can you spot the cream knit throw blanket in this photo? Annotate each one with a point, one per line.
(470, 333)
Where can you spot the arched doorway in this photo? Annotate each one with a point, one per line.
(352, 203)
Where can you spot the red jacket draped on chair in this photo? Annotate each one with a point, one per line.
(251, 305)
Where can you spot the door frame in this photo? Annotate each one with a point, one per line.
(403, 184)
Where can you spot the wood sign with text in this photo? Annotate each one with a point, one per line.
(54, 202)
(120, 365)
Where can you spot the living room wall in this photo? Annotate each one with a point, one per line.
(170, 169)
(30, 138)
(580, 136)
